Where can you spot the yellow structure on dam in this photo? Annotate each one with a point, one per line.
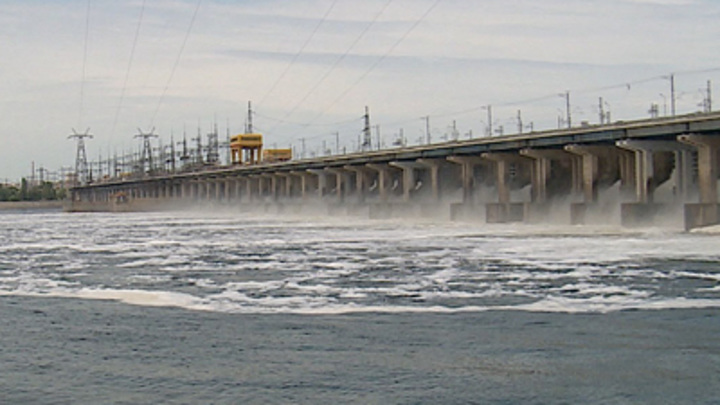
(246, 149)
(276, 155)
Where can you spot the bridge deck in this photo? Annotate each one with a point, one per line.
(659, 128)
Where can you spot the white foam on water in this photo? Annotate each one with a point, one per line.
(30, 283)
(707, 230)
(611, 304)
(260, 286)
(139, 297)
(696, 275)
(316, 289)
(267, 302)
(436, 295)
(133, 297)
(237, 302)
(158, 261)
(150, 279)
(273, 265)
(352, 293)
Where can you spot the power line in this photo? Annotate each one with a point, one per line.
(127, 72)
(338, 60)
(177, 60)
(626, 85)
(317, 135)
(688, 72)
(379, 60)
(297, 55)
(84, 62)
(630, 84)
(303, 124)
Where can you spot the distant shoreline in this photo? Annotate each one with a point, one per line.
(30, 205)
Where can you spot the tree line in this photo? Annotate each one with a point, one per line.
(42, 191)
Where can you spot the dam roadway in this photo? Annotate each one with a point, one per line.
(642, 171)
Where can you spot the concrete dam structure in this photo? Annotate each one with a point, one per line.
(642, 171)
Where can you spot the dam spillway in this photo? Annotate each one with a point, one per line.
(649, 166)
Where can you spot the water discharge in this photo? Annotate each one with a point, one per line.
(235, 264)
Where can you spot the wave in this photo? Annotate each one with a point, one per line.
(241, 304)
(271, 265)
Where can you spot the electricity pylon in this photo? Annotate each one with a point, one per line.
(146, 158)
(81, 165)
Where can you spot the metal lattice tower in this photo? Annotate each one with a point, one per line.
(81, 164)
(199, 150)
(146, 158)
(367, 136)
(185, 156)
(249, 126)
(213, 149)
(172, 159)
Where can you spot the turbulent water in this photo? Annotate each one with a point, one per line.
(270, 265)
(347, 273)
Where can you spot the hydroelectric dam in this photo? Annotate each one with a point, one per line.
(633, 172)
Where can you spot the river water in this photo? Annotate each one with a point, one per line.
(220, 308)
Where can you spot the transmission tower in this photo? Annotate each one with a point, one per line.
(228, 156)
(81, 165)
(198, 151)
(249, 123)
(185, 157)
(146, 157)
(171, 160)
(213, 149)
(367, 136)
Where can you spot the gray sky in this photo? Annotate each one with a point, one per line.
(311, 66)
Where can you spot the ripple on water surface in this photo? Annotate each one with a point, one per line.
(272, 265)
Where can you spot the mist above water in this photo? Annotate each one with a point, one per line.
(305, 264)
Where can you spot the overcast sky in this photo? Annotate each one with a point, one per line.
(311, 66)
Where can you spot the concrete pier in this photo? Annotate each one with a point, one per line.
(648, 177)
(599, 165)
(654, 164)
(505, 210)
(706, 211)
(546, 163)
(467, 208)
